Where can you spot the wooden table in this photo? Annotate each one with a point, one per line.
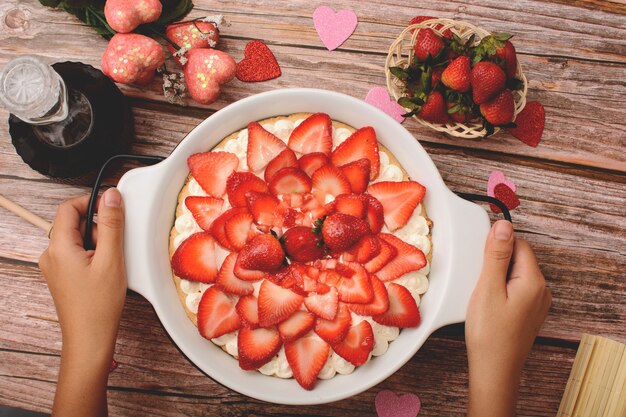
(572, 190)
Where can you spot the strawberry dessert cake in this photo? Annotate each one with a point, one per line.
(300, 247)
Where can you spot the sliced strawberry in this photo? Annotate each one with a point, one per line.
(228, 282)
(399, 200)
(375, 214)
(296, 326)
(204, 209)
(211, 169)
(387, 253)
(403, 311)
(195, 259)
(361, 144)
(290, 217)
(367, 249)
(262, 147)
(218, 227)
(357, 345)
(247, 274)
(335, 329)
(256, 347)
(310, 162)
(285, 159)
(239, 183)
(323, 305)
(262, 253)
(306, 357)
(329, 180)
(239, 230)
(290, 180)
(341, 231)
(344, 270)
(380, 303)
(302, 244)
(358, 174)
(248, 310)
(357, 289)
(352, 204)
(295, 200)
(264, 208)
(408, 258)
(217, 314)
(315, 134)
(276, 303)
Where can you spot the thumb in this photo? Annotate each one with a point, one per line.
(110, 224)
(498, 251)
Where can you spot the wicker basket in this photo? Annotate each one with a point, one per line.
(401, 54)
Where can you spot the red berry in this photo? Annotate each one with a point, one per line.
(428, 43)
(301, 244)
(458, 74)
(341, 231)
(500, 109)
(488, 79)
(262, 253)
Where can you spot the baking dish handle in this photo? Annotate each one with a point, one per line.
(134, 189)
(470, 225)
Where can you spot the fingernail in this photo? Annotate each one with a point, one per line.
(112, 198)
(503, 230)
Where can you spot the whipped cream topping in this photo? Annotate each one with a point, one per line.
(415, 232)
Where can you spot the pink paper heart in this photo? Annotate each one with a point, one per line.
(497, 177)
(379, 97)
(332, 27)
(388, 404)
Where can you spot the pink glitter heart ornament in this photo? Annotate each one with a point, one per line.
(497, 177)
(334, 28)
(379, 97)
(388, 404)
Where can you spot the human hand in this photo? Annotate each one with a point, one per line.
(506, 311)
(89, 289)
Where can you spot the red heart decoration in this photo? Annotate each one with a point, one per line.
(503, 193)
(258, 64)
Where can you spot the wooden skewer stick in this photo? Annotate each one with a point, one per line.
(25, 214)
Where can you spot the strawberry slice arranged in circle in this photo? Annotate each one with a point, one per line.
(306, 357)
(262, 147)
(217, 314)
(402, 312)
(240, 183)
(218, 227)
(408, 259)
(212, 169)
(399, 200)
(310, 162)
(329, 180)
(314, 134)
(238, 230)
(352, 204)
(195, 260)
(296, 326)
(323, 305)
(358, 288)
(285, 159)
(276, 303)
(263, 207)
(357, 345)
(248, 309)
(290, 180)
(228, 282)
(334, 330)
(256, 347)
(380, 303)
(204, 209)
(358, 174)
(361, 144)
(374, 215)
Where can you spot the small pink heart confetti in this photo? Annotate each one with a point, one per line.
(497, 177)
(379, 97)
(334, 28)
(388, 404)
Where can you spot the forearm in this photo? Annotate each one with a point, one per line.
(492, 394)
(83, 376)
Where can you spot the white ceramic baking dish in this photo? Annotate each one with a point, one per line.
(150, 197)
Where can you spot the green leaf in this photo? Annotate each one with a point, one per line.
(407, 103)
(50, 3)
(399, 72)
(455, 109)
(173, 10)
(514, 84)
(502, 36)
(412, 113)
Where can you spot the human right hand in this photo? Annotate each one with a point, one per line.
(506, 311)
